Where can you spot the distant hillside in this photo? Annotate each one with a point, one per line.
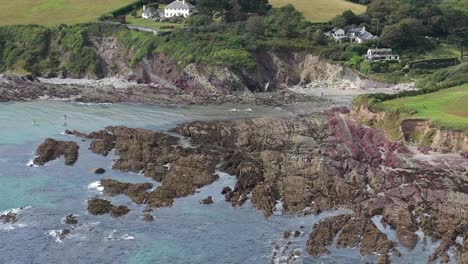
(321, 10)
(55, 12)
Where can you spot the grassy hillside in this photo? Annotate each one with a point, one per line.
(447, 108)
(321, 10)
(55, 12)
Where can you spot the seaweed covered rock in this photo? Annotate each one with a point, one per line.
(52, 149)
(98, 206)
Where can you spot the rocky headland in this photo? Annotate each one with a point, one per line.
(311, 164)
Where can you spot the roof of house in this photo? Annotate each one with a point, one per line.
(361, 32)
(150, 11)
(180, 5)
(381, 50)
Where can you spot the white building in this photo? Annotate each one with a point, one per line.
(149, 13)
(353, 34)
(381, 55)
(178, 8)
(338, 34)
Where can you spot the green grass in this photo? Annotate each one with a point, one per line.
(321, 10)
(141, 22)
(448, 108)
(55, 12)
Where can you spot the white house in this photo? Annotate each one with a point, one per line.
(337, 33)
(178, 8)
(353, 34)
(381, 55)
(359, 35)
(149, 13)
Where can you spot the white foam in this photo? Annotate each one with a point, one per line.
(233, 110)
(114, 236)
(248, 110)
(96, 186)
(31, 164)
(15, 210)
(55, 234)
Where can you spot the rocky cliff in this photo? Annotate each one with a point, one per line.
(421, 132)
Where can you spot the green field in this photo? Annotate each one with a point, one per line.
(448, 108)
(321, 10)
(55, 12)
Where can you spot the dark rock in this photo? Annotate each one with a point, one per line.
(286, 234)
(64, 233)
(71, 219)
(9, 217)
(52, 149)
(137, 192)
(118, 211)
(99, 171)
(98, 206)
(225, 190)
(148, 218)
(207, 200)
(297, 233)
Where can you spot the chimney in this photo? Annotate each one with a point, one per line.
(144, 8)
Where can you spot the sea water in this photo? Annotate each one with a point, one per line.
(187, 232)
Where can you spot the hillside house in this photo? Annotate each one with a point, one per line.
(150, 12)
(353, 34)
(178, 8)
(381, 55)
(337, 33)
(359, 35)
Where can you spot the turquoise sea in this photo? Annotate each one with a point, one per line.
(185, 233)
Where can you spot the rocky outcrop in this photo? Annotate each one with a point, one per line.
(413, 130)
(98, 206)
(207, 200)
(350, 231)
(98, 170)
(52, 149)
(71, 219)
(307, 165)
(10, 217)
(137, 192)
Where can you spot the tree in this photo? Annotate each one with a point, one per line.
(198, 20)
(260, 7)
(409, 33)
(285, 21)
(255, 24)
(319, 38)
(210, 7)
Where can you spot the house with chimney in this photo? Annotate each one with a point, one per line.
(352, 34)
(178, 8)
(381, 55)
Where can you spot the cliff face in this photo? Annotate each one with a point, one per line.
(275, 70)
(421, 132)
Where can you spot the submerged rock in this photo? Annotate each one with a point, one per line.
(52, 149)
(207, 200)
(9, 217)
(148, 217)
(71, 219)
(225, 190)
(99, 171)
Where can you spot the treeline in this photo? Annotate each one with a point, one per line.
(42, 50)
(407, 24)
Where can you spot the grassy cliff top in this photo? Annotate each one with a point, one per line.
(321, 10)
(448, 108)
(55, 12)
